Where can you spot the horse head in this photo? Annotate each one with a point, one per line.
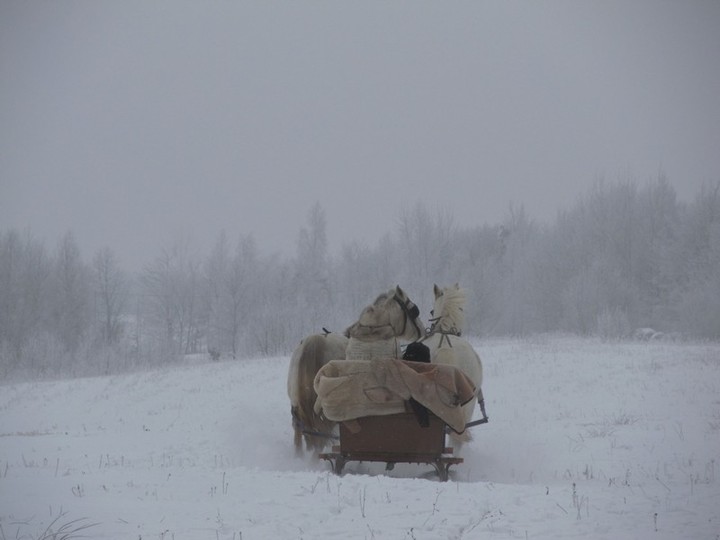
(391, 315)
(447, 312)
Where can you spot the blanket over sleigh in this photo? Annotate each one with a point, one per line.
(349, 389)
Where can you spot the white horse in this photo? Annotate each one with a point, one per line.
(309, 356)
(447, 347)
(391, 317)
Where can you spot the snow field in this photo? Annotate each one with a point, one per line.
(603, 440)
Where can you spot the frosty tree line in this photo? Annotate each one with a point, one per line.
(622, 257)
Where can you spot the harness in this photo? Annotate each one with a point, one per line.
(444, 334)
(411, 311)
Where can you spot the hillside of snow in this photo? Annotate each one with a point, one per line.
(586, 439)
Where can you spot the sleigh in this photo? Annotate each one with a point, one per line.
(396, 438)
(376, 404)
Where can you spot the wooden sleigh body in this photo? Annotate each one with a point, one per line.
(395, 438)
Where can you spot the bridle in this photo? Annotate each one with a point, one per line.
(411, 311)
(435, 329)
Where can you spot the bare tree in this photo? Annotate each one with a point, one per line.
(313, 292)
(171, 290)
(241, 293)
(24, 284)
(426, 249)
(699, 299)
(111, 291)
(70, 312)
(215, 276)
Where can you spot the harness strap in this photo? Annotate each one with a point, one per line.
(411, 314)
(444, 335)
(484, 420)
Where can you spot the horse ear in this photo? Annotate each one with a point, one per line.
(399, 291)
(457, 285)
(436, 290)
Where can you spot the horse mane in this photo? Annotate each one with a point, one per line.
(452, 317)
(382, 297)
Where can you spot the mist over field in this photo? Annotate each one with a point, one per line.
(137, 124)
(625, 261)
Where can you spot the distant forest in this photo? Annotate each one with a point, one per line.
(623, 257)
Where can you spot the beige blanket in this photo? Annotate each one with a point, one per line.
(349, 389)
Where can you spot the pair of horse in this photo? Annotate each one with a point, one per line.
(392, 318)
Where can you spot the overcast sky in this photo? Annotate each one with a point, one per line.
(131, 123)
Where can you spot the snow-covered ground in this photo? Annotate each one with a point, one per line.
(585, 439)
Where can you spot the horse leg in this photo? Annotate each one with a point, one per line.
(297, 440)
(339, 465)
(314, 443)
(297, 429)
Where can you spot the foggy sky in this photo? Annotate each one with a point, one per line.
(134, 123)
